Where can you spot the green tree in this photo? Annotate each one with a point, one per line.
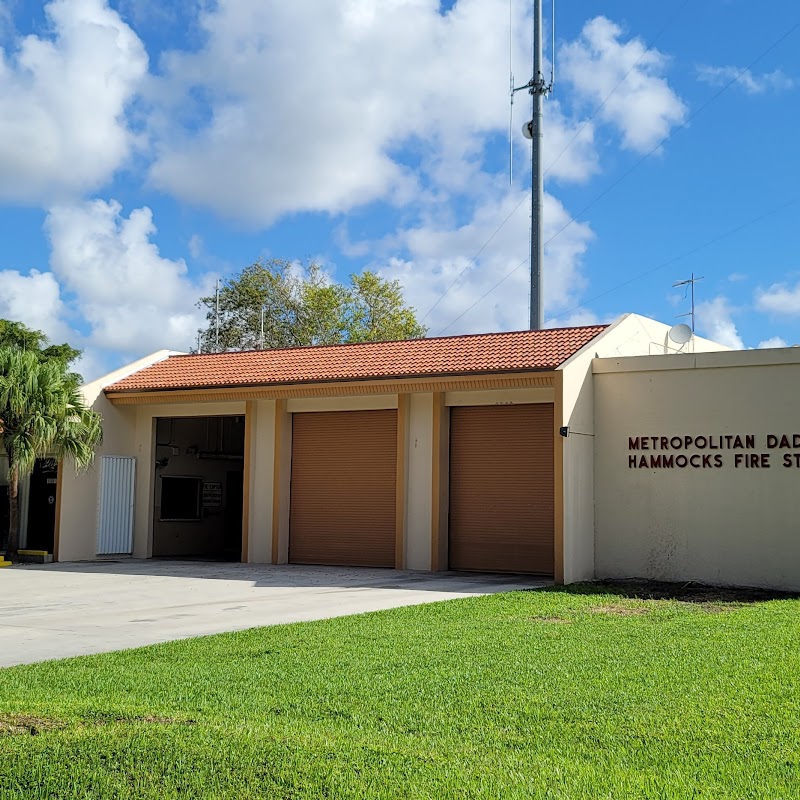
(16, 334)
(42, 413)
(303, 307)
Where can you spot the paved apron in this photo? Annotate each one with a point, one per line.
(59, 610)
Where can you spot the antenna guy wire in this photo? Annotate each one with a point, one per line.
(569, 144)
(686, 254)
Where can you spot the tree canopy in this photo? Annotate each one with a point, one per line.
(303, 307)
(16, 334)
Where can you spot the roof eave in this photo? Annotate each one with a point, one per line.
(424, 383)
(110, 391)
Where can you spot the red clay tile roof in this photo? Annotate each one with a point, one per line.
(451, 355)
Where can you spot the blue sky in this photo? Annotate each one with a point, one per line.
(147, 150)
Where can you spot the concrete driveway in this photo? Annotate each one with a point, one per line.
(59, 610)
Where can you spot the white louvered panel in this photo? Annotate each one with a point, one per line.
(115, 526)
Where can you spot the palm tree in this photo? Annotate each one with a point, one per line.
(42, 413)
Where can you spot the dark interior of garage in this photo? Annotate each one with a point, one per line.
(199, 468)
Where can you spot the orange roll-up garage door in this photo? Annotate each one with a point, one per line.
(501, 488)
(343, 489)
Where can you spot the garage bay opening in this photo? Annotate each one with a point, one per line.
(501, 488)
(199, 469)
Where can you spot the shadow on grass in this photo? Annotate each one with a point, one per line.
(684, 592)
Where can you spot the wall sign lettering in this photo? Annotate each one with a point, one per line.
(715, 451)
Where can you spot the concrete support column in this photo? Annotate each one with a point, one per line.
(401, 505)
(419, 440)
(440, 483)
(258, 481)
(145, 481)
(427, 484)
(281, 482)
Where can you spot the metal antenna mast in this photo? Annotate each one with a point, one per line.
(538, 89)
(689, 282)
(216, 321)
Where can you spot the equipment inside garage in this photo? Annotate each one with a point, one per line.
(501, 488)
(343, 489)
(198, 487)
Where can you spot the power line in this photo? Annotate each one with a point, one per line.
(641, 275)
(706, 244)
(472, 260)
(616, 183)
(558, 157)
(622, 80)
(692, 116)
(483, 296)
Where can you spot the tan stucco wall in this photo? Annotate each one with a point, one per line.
(493, 397)
(80, 492)
(726, 525)
(356, 403)
(283, 484)
(261, 475)
(419, 481)
(577, 470)
(129, 431)
(632, 335)
(418, 478)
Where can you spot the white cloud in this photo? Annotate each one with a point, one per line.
(570, 152)
(440, 252)
(196, 246)
(715, 322)
(752, 83)
(307, 106)
(291, 121)
(577, 318)
(406, 122)
(643, 107)
(150, 13)
(297, 123)
(63, 100)
(133, 299)
(779, 299)
(775, 341)
(35, 300)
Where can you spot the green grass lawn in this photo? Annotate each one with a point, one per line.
(579, 693)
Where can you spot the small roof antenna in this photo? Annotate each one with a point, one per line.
(689, 282)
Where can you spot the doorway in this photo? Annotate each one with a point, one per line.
(42, 505)
(198, 502)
